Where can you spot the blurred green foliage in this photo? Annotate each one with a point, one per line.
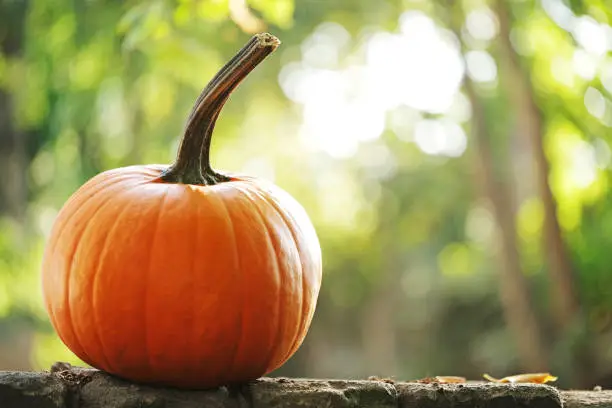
(409, 236)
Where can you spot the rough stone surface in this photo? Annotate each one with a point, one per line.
(32, 390)
(284, 393)
(584, 399)
(481, 395)
(69, 387)
(105, 391)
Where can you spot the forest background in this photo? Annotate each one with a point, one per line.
(454, 157)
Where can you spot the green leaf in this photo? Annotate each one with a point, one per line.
(213, 10)
(277, 12)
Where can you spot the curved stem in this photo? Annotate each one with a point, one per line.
(192, 165)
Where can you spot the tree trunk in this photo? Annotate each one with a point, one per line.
(514, 291)
(13, 162)
(529, 122)
(513, 287)
(529, 125)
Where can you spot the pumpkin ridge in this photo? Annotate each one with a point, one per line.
(296, 341)
(196, 238)
(270, 243)
(303, 230)
(236, 272)
(101, 255)
(73, 253)
(147, 280)
(108, 183)
(48, 305)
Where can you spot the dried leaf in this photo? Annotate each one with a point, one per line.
(442, 379)
(534, 378)
(450, 379)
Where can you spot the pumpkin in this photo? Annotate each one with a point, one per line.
(181, 275)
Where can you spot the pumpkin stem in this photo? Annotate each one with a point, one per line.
(192, 164)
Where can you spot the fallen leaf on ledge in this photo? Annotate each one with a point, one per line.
(535, 378)
(442, 379)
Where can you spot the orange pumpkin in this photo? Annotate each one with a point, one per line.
(180, 275)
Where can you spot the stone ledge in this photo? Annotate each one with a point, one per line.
(86, 388)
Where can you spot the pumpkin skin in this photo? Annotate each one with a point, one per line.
(185, 285)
